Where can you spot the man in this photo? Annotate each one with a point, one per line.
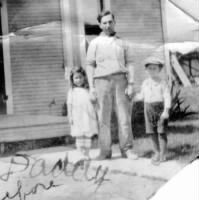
(111, 79)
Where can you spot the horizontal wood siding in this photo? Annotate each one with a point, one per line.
(139, 21)
(34, 132)
(30, 127)
(36, 56)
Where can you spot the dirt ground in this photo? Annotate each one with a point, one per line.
(125, 180)
(136, 180)
(38, 178)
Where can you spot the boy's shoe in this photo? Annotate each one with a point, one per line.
(163, 158)
(155, 159)
(130, 155)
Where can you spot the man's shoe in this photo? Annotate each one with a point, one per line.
(155, 162)
(156, 157)
(130, 155)
(158, 160)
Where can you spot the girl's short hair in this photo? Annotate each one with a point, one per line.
(81, 71)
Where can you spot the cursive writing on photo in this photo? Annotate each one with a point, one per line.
(79, 171)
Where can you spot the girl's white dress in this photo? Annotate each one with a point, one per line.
(83, 113)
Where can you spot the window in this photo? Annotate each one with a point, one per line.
(90, 9)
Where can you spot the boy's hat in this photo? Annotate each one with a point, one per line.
(153, 60)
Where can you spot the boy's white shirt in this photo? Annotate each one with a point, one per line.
(152, 91)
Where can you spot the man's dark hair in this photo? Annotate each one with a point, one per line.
(104, 13)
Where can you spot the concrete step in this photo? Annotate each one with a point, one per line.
(22, 128)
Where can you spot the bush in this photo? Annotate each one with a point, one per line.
(178, 110)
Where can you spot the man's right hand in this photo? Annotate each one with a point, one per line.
(93, 95)
(165, 114)
(130, 91)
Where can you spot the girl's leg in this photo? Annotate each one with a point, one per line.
(87, 146)
(83, 145)
(156, 148)
(79, 144)
(163, 146)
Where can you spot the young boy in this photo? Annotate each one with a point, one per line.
(157, 102)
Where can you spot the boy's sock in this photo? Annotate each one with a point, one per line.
(156, 146)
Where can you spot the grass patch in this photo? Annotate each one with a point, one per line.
(183, 134)
(182, 148)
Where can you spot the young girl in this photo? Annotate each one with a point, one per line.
(157, 102)
(81, 112)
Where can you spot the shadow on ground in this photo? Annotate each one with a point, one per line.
(185, 129)
(174, 153)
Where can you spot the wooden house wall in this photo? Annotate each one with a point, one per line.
(37, 59)
(140, 21)
(36, 56)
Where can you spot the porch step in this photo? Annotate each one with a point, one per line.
(21, 128)
(11, 121)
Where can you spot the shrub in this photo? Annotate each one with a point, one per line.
(178, 110)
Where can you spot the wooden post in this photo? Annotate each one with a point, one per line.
(179, 71)
(67, 36)
(2, 148)
(165, 41)
(6, 57)
(81, 32)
